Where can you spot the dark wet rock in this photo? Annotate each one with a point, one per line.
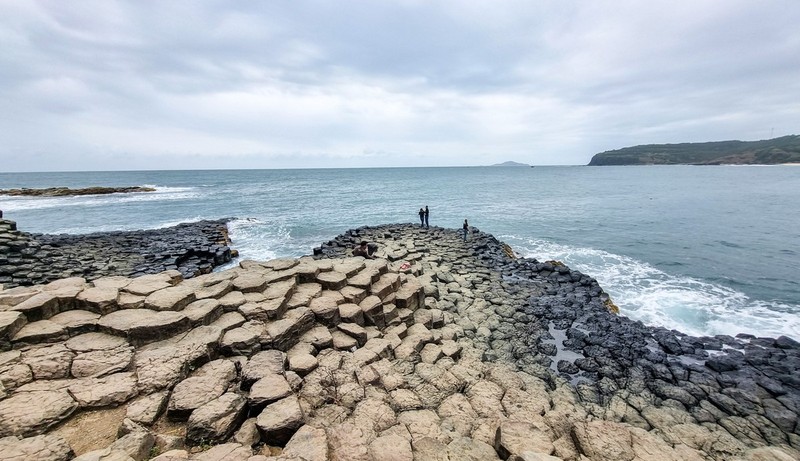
(191, 249)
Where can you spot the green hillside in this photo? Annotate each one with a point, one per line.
(785, 149)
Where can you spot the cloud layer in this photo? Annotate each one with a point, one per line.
(105, 85)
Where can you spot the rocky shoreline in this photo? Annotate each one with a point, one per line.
(438, 350)
(66, 191)
(190, 248)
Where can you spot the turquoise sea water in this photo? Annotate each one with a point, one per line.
(705, 250)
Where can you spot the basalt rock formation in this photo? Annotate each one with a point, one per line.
(191, 248)
(440, 349)
(66, 191)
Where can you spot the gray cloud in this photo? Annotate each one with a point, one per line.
(149, 84)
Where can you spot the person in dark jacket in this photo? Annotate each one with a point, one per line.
(421, 217)
(427, 214)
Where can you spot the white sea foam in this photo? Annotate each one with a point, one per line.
(655, 297)
(256, 239)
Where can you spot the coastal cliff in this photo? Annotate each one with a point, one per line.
(785, 149)
(438, 349)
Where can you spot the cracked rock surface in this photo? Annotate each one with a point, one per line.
(439, 349)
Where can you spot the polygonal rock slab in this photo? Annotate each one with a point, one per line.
(263, 364)
(147, 284)
(102, 392)
(250, 282)
(141, 326)
(206, 384)
(319, 337)
(280, 420)
(516, 437)
(304, 294)
(29, 413)
(203, 311)
(216, 290)
(391, 447)
(49, 362)
(280, 264)
(146, 409)
(112, 281)
(43, 331)
(101, 300)
(10, 323)
(604, 440)
(39, 448)
(170, 299)
(95, 342)
(241, 341)
(229, 320)
(270, 388)
(215, 421)
(308, 443)
(283, 334)
(332, 280)
(102, 362)
(39, 306)
(231, 300)
(17, 295)
(77, 321)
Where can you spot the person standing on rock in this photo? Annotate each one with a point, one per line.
(427, 214)
(421, 217)
(466, 229)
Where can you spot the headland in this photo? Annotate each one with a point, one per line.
(439, 349)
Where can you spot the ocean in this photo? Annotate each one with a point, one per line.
(704, 250)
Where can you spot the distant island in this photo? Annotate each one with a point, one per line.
(65, 191)
(510, 164)
(776, 151)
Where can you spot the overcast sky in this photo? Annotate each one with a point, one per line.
(106, 85)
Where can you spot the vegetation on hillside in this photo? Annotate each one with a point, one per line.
(785, 149)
